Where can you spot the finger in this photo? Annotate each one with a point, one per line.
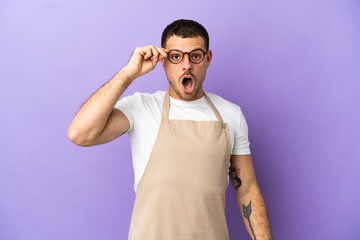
(141, 51)
(161, 57)
(155, 53)
(155, 60)
(148, 54)
(162, 51)
(144, 52)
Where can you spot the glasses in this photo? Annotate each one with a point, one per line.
(195, 56)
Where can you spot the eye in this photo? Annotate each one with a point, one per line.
(196, 56)
(175, 56)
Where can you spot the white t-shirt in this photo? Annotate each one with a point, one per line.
(143, 110)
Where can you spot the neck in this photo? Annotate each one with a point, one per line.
(186, 97)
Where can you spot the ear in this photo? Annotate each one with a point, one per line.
(162, 62)
(209, 56)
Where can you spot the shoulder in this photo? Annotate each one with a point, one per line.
(230, 112)
(223, 104)
(146, 98)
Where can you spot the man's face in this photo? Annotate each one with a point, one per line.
(186, 78)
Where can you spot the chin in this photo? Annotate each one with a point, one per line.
(189, 96)
(177, 89)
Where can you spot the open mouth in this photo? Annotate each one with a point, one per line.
(188, 84)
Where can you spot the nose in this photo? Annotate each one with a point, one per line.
(186, 62)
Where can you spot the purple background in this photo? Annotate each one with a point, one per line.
(293, 67)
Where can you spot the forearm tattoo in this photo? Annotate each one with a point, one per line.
(234, 174)
(247, 213)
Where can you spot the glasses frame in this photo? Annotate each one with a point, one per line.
(188, 53)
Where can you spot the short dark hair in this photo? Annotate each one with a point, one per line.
(185, 28)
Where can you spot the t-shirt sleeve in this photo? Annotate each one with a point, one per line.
(127, 106)
(241, 144)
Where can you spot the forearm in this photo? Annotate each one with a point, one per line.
(254, 214)
(93, 114)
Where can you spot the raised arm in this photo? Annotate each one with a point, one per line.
(98, 121)
(249, 197)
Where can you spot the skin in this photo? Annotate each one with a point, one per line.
(175, 72)
(98, 122)
(248, 194)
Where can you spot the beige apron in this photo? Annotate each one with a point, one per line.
(181, 194)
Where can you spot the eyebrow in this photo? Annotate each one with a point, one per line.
(189, 51)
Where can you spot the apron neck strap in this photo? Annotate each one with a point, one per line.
(166, 107)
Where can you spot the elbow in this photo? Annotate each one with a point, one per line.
(248, 190)
(77, 137)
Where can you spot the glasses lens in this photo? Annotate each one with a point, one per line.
(196, 56)
(175, 56)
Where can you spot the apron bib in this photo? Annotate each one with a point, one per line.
(181, 194)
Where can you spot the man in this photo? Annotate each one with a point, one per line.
(185, 143)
